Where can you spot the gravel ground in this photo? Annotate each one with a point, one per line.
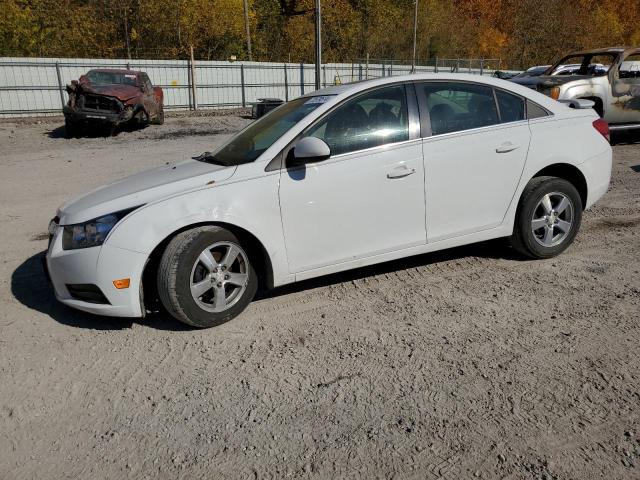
(469, 363)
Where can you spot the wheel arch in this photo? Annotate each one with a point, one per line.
(570, 173)
(256, 251)
(598, 104)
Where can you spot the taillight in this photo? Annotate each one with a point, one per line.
(555, 93)
(603, 127)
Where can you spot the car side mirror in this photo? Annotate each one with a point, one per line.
(309, 150)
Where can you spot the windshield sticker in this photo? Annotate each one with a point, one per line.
(318, 99)
(130, 76)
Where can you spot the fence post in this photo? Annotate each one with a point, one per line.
(481, 66)
(128, 66)
(360, 72)
(286, 84)
(436, 71)
(60, 83)
(367, 67)
(193, 80)
(244, 99)
(324, 76)
(301, 78)
(383, 68)
(391, 69)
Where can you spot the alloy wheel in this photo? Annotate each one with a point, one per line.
(219, 276)
(552, 219)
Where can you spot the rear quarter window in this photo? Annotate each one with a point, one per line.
(535, 111)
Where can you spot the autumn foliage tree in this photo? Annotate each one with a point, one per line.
(519, 32)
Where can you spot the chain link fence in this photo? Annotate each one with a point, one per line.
(36, 86)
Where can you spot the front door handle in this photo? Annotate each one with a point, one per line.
(400, 172)
(507, 147)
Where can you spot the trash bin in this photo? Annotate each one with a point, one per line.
(264, 105)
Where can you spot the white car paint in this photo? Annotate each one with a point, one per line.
(342, 213)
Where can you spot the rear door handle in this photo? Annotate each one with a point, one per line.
(507, 147)
(400, 172)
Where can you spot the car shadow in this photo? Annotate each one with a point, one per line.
(30, 286)
(95, 131)
(497, 249)
(628, 137)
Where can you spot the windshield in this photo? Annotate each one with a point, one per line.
(589, 64)
(251, 142)
(111, 78)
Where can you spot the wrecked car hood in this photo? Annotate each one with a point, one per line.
(121, 92)
(142, 188)
(548, 81)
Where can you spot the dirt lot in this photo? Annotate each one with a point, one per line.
(465, 364)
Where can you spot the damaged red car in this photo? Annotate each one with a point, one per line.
(110, 98)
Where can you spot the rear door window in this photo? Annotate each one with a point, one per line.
(455, 107)
(630, 67)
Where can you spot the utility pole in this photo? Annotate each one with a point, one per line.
(415, 36)
(126, 34)
(318, 44)
(246, 27)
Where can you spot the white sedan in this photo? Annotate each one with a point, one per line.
(337, 179)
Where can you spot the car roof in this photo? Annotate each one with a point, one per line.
(123, 71)
(348, 89)
(618, 49)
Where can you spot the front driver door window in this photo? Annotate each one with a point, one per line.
(376, 119)
(368, 197)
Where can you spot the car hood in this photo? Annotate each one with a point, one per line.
(121, 92)
(547, 81)
(142, 188)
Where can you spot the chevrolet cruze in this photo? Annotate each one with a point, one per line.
(337, 179)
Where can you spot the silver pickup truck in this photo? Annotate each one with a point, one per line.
(609, 77)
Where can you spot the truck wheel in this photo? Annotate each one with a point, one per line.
(205, 277)
(159, 120)
(141, 118)
(548, 217)
(70, 129)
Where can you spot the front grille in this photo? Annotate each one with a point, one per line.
(97, 102)
(87, 292)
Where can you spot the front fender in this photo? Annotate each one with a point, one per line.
(584, 89)
(252, 206)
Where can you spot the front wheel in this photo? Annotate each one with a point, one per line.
(205, 277)
(548, 217)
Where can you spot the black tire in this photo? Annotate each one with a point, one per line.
(141, 118)
(524, 240)
(71, 129)
(175, 276)
(159, 120)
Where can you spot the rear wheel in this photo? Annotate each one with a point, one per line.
(548, 217)
(205, 277)
(159, 120)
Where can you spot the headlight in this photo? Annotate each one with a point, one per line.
(92, 233)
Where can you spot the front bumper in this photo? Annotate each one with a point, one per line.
(77, 115)
(98, 266)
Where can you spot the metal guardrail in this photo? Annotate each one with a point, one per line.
(37, 86)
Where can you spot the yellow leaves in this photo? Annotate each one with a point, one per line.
(520, 32)
(492, 42)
